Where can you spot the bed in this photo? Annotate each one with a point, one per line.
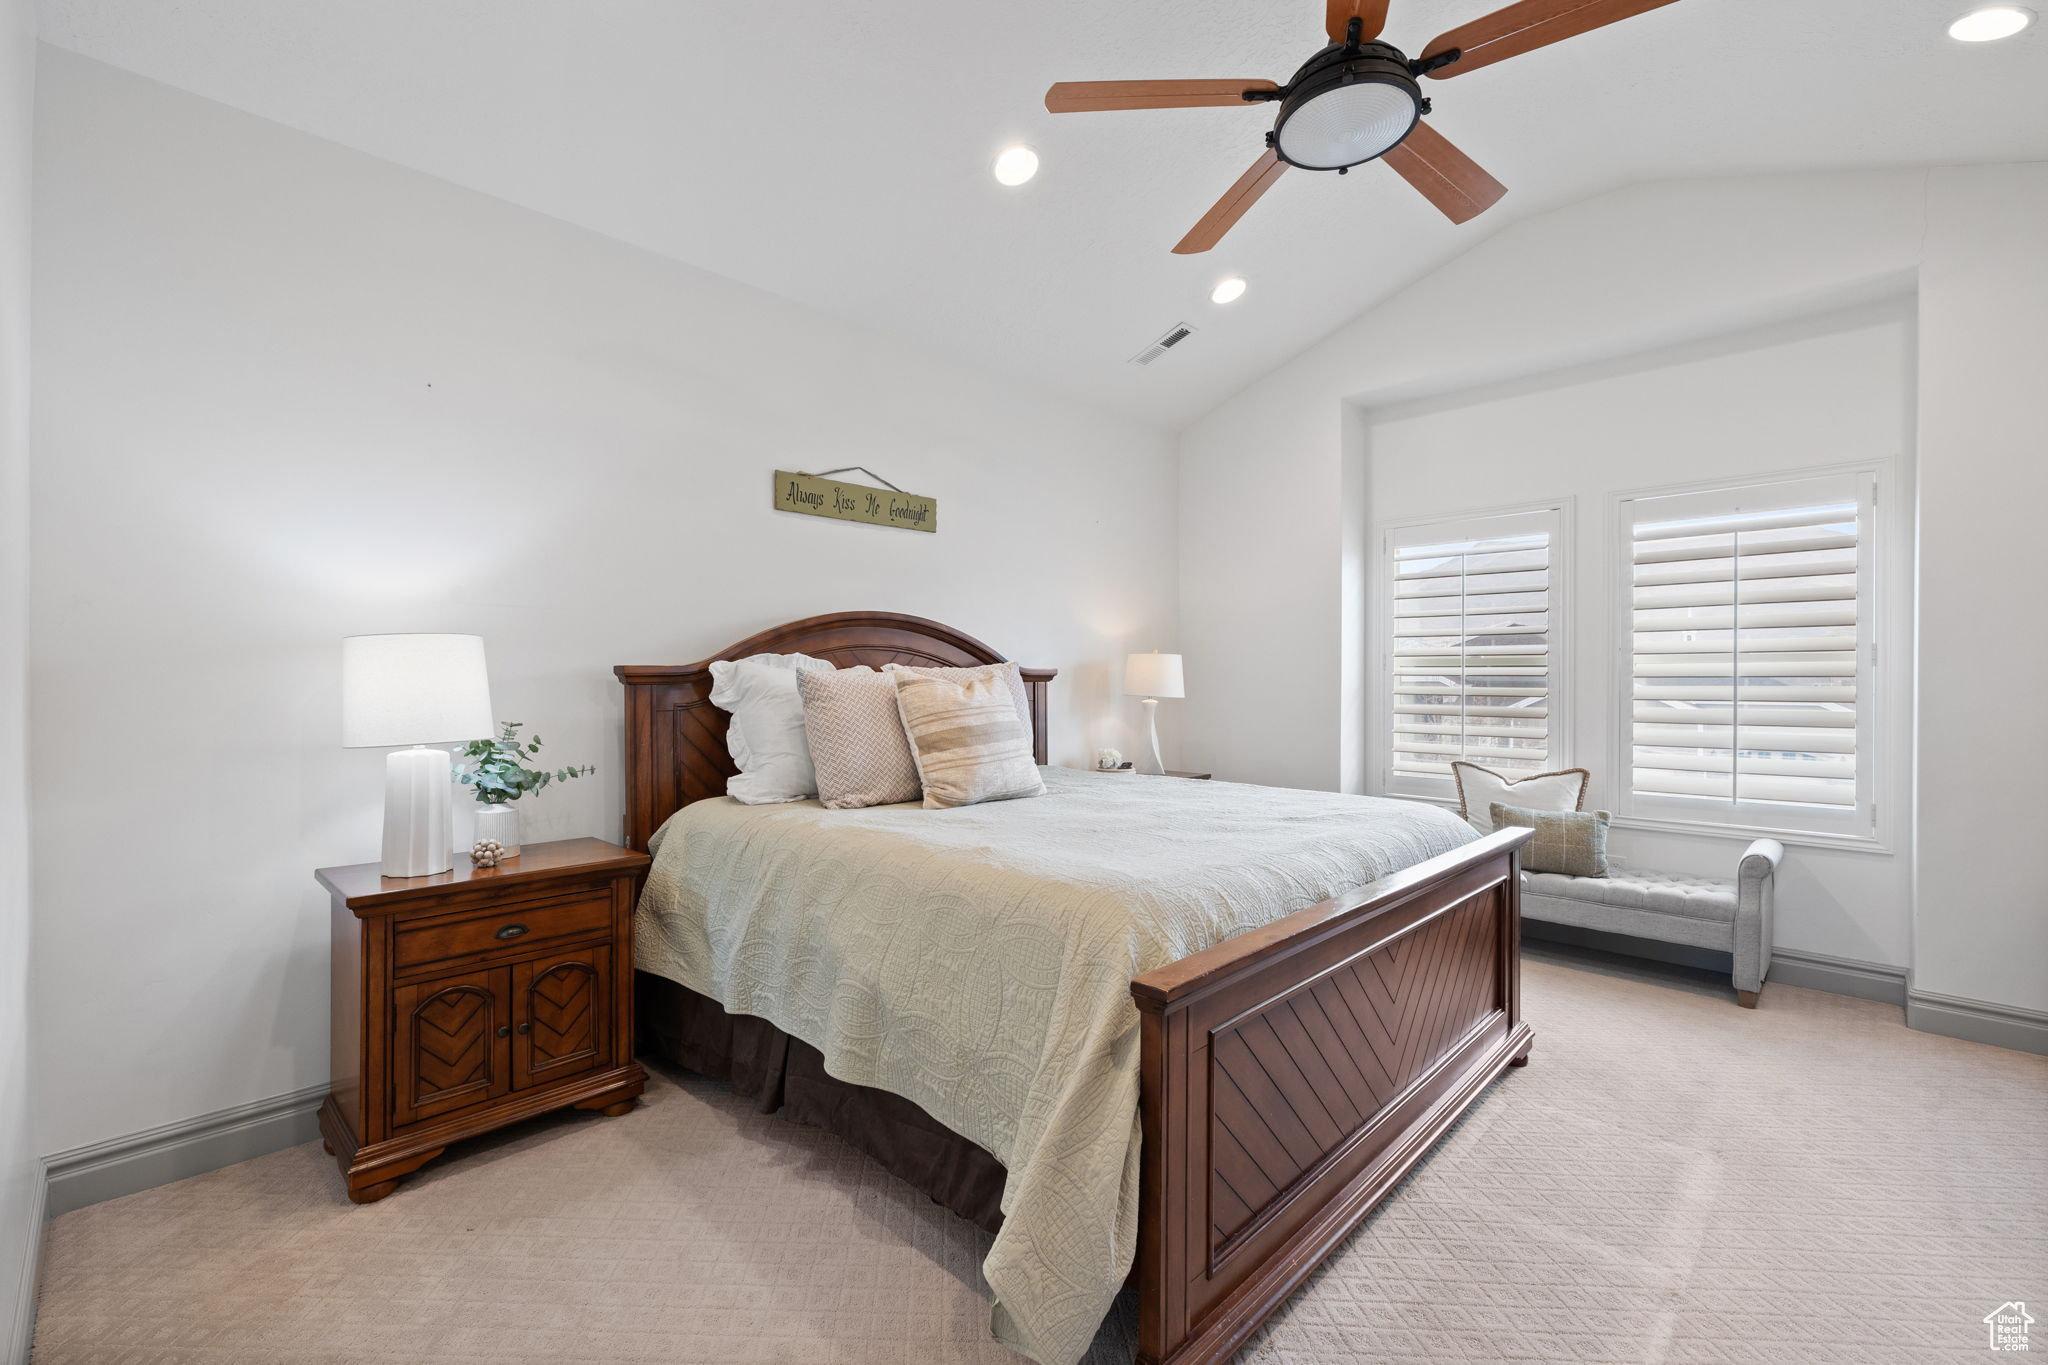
(1272, 1086)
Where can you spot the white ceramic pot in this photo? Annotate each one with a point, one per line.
(499, 821)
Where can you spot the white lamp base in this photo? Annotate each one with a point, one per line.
(416, 785)
(1151, 705)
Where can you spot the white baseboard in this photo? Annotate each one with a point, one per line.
(1977, 1021)
(21, 1331)
(1813, 971)
(1838, 976)
(173, 1151)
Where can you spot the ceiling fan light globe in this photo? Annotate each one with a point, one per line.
(1344, 109)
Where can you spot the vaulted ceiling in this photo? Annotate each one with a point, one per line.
(839, 155)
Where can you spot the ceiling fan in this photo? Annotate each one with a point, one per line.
(1358, 99)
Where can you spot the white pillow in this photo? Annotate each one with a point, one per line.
(766, 734)
(1479, 788)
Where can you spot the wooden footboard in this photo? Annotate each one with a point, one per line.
(1293, 1075)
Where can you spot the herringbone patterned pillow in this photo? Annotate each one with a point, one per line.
(969, 743)
(858, 747)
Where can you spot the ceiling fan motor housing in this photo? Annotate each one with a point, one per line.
(1346, 106)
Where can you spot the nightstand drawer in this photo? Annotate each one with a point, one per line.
(504, 929)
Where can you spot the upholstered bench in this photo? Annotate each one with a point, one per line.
(1706, 912)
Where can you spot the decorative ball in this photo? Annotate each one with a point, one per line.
(1107, 759)
(486, 852)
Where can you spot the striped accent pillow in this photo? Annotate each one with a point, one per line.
(1011, 675)
(966, 739)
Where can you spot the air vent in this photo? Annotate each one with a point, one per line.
(1178, 333)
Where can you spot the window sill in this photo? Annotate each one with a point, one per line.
(1796, 838)
(1799, 838)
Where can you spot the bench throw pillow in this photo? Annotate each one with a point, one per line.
(1479, 788)
(1570, 842)
(966, 738)
(857, 740)
(766, 733)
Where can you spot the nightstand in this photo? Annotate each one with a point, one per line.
(470, 999)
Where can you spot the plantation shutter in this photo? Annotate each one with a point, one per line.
(1470, 647)
(1747, 665)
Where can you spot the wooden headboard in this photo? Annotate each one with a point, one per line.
(675, 737)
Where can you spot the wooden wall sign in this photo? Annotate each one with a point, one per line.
(815, 495)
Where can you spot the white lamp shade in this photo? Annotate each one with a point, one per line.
(1152, 675)
(413, 689)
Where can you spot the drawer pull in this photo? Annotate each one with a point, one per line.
(504, 1031)
(526, 1028)
(511, 931)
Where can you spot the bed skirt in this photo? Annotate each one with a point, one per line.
(778, 1072)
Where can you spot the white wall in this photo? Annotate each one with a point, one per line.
(1981, 896)
(1610, 277)
(1834, 391)
(1651, 266)
(19, 1169)
(1261, 525)
(286, 392)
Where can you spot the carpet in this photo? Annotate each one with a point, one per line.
(1672, 1179)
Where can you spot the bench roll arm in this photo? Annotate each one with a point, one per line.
(1753, 912)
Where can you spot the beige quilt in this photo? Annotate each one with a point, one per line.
(977, 961)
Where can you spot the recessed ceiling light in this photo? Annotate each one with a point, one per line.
(1989, 24)
(1016, 165)
(1227, 291)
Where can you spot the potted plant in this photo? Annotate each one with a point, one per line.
(495, 770)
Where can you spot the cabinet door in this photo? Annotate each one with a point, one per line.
(453, 1043)
(564, 1004)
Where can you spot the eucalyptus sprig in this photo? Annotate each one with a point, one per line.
(496, 770)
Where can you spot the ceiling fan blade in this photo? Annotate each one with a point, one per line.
(1372, 13)
(1527, 25)
(1446, 176)
(1232, 205)
(1081, 97)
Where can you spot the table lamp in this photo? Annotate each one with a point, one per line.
(1153, 676)
(414, 690)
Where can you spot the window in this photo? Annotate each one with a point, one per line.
(1749, 662)
(1469, 666)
